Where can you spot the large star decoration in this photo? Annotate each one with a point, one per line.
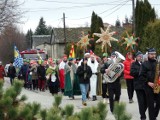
(105, 37)
(84, 41)
(130, 41)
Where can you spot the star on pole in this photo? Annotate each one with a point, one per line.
(130, 41)
(105, 37)
(84, 41)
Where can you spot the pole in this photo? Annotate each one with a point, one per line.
(64, 29)
(133, 24)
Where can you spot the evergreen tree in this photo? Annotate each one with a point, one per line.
(96, 23)
(29, 38)
(118, 23)
(151, 36)
(42, 29)
(144, 14)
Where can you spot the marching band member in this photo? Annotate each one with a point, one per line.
(114, 88)
(139, 85)
(147, 74)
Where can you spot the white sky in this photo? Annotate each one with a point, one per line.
(78, 13)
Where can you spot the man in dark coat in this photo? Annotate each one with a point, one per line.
(84, 73)
(11, 72)
(139, 85)
(114, 88)
(147, 74)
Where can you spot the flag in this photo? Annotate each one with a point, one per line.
(18, 60)
(72, 53)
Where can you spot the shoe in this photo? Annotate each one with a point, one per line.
(73, 97)
(84, 103)
(131, 101)
(94, 98)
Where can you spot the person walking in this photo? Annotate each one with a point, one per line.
(84, 73)
(11, 72)
(41, 72)
(127, 76)
(2, 72)
(139, 85)
(147, 74)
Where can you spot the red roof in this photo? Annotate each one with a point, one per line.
(32, 51)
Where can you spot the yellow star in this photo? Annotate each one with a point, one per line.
(130, 41)
(105, 37)
(84, 41)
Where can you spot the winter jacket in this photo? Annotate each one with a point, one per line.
(135, 72)
(11, 72)
(2, 72)
(147, 73)
(23, 70)
(41, 72)
(84, 75)
(127, 66)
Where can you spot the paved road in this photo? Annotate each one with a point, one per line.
(46, 100)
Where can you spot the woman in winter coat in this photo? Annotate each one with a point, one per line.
(129, 79)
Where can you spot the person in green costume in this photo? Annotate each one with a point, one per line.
(52, 78)
(71, 84)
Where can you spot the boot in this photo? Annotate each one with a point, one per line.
(94, 98)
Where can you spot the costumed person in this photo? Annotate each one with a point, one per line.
(129, 79)
(71, 82)
(99, 76)
(52, 78)
(104, 83)
(86, 55)
(61, 73)
(11, 72)
(114, 88)
(41, 72)
(23, 72)
(2, 72)
(84, 73)
(139, 85)
(34, 75)
(148, 74)
(92, 62)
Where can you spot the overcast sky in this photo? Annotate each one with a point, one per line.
(78, 13)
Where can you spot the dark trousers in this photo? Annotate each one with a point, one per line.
(153, 102)
(114, 92)
(11, 80)
(130, 88)
(142, 103)
(104, 90)
(35, 84)
(41, 85)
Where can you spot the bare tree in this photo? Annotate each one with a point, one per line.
(10, 12)
(9, 37)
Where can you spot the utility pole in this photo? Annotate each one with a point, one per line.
(133, 23)
(64, 29)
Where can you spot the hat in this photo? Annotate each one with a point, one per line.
(138, 53)
(113, 54)
(70, 59)
(105, 54)
(84, 59)
(151, 50)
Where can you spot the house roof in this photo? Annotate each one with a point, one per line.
(72, 35)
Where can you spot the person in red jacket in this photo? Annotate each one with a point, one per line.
(2, 72)
(129, 79)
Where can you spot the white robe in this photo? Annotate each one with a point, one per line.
(93, 79)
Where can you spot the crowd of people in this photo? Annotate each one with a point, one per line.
(86, 77)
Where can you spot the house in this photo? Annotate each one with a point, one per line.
(54, 44)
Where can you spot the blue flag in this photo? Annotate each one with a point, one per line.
(18, 60)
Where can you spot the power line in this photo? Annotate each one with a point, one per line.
(103, 11)
(116, 9)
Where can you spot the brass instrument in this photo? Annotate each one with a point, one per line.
(157, 77)
(115, 68)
